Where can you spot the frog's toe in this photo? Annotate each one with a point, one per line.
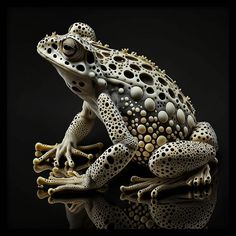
(202, 177)
(198, 180)
(207, 175)
(137, 179)
(46, 156)
(58, 181)
(131, 188)
(145, 190)
(66, 187)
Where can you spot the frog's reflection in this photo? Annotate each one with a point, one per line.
(182, 209)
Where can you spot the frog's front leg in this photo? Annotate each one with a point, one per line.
(77, 131)
(111, 162)
(180, 163)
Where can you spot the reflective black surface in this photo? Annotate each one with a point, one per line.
(190, 43)
(107, 208)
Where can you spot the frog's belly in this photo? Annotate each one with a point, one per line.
(151, 135)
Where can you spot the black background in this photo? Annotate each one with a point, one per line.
(191, 44)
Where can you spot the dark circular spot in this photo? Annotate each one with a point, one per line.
(150, 90)
(99, 55)
(81, 84)
(54, 46)
(67, 63)
(54, 55)
(146, 66)
(67, 47)
(73, 82)
(49, 50)
(80, 68)
(135, 67)
(162, 96)
(162, 81)
(128, 74)
(112, 66)
(110, 159)
(119, 59)
(146, 78)
(171, 93)
(106, 54)
(103, 68)
(76, 89)
(106, 166)
(90, 58)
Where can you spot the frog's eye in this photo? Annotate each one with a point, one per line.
(69, 47)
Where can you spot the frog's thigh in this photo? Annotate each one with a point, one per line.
(203, 132)
(176, 158)
(116, 157)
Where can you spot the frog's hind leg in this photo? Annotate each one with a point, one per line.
(203, 132)
(181, 163)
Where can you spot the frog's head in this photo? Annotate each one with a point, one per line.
(71, 55)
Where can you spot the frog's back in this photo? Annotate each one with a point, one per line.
(154, 108)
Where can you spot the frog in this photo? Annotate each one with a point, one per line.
(148, 118)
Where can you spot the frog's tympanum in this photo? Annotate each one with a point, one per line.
(148, 118)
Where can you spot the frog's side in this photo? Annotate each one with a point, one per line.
(148, 118)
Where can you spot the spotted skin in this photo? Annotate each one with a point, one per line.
(144, 111)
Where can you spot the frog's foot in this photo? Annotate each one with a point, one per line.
(56, 151)
(143, 185)
(201, 177)
(75, 182)
(151, 185)
(68, 171)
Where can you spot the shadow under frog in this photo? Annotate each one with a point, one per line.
(185, 209)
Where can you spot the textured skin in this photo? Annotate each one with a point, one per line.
(148, 118)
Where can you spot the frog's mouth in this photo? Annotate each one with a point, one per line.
(56, 64)
(60, 66)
